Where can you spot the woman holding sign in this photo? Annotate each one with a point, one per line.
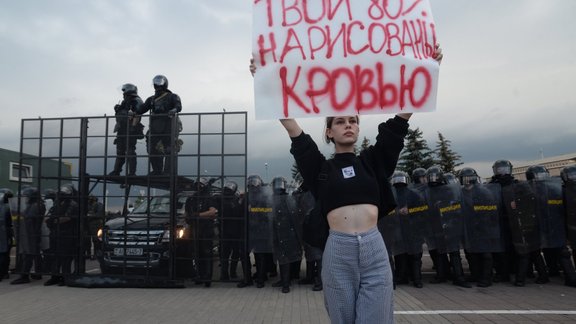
(354, 192)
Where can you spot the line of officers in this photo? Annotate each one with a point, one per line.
(506, 228)
(45, 233)
(275, 220)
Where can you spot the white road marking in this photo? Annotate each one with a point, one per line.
(491, 312)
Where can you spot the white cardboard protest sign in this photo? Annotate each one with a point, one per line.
(343, 57)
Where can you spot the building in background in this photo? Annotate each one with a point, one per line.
(554, 164)
(11, 170)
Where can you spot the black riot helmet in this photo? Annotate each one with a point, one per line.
(468, 176)
(399, 178)
(66, 191)
(230, 188)
(502, 167)
(450, 178)
(435, 175)
(202, 183)
(30, 194)
(5, 194)
(254, 181)
(50, 194)
(129, 89)
(537, 172)
(279, 184)
(160, 82)
(568, 174)
(419, 175)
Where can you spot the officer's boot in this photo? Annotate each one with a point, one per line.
(567, 267)
(401, 269)
(246, 272)
(224, 274)
(285, 277)
(521, 269)
(416, 266)
(167, 165)
(441, 268)
(118, 164)
(233, 266)
(156, 164)
(318, 277)
(485, 270)
(540, 266)
(309, 279)
(24, 278)
(458, 271)
(131, 166)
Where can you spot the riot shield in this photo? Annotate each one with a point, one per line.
(550, 212)
(481, 219)
(504, 224)
(570, 205)
(432, 225)
(416, 225)
(520, 203)
(286, 247)
(446, 207)
(260, 215)
(4, 234)
(390, 226)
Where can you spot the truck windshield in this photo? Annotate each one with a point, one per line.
(158, 205)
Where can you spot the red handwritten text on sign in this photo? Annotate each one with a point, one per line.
(327, 57)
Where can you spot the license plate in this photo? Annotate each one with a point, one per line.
(128, 251)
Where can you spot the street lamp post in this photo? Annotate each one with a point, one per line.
(266, 168)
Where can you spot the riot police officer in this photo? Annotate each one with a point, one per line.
(568, 175)
(260, 215)
(200, 214)
(519, 201)
(445, 210)
(551, 216)
(128, 130)
(63, 224)
(408, 259)
(313, 255)
(6, 232)
(418, 176)
(503, 261)
(28, 234)
(232, 230)
(287, 248)
(480, 207)
(163, 106)
(94, 221)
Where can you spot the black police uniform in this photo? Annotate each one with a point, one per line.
(128, 130)
(161, 105)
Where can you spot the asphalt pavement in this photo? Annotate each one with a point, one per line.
(225, 303)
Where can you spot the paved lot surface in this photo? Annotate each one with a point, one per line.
(224, 303)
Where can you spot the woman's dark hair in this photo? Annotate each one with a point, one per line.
(329, 121)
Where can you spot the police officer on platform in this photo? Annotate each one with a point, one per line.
(163, 105)
(128, 129)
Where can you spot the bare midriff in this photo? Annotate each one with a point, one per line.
(353, 219)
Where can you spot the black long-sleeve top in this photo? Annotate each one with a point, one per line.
(377, 162)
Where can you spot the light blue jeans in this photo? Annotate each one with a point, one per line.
(357, 278)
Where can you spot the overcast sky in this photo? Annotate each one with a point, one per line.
(506, 88)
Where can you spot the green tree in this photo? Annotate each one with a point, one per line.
(364, 145)
(445, 157)
(416, 153)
